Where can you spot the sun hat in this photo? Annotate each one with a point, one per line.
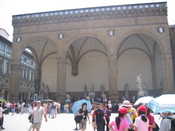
(126, 103)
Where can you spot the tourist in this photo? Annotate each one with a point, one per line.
(142, 122)
(53, 110)
(121, 123)
(107, 113)
(99, 118)
(38, 113)
(93, 121)
(77, 117)
(152, 123)
(13, 108)
(131, 115)
(1, 117)
(84, 112)
(165, 124)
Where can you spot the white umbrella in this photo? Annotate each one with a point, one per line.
(144, 100)
(163, 103)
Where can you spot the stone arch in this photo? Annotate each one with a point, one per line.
(32, 41)
(148, 33)
(87, 46)
(34, 53)
(84, 40)
(83, 35)
(42, 48)
(146, 48)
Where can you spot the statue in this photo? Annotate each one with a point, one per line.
(102, 89)
(103, 95)
(140, 86)
(126, 88)
(85, 90)
(68, 99)
(92, 93)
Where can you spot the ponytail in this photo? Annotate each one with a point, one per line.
(143, 117)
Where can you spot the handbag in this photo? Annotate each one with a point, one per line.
(30, 118)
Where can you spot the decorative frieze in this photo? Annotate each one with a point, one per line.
(107, 12)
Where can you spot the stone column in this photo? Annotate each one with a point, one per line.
(61, 78)
(14, 81)
(167, 66)
(113, 92)
(168, 72)
(153, 68)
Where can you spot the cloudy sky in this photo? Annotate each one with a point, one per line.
(14, 7)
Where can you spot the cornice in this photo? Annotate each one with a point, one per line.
(95, 13)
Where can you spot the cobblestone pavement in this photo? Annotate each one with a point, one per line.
(63, 122)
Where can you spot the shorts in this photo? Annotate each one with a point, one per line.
(36, 125)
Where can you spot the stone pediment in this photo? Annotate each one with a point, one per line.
(95, 13)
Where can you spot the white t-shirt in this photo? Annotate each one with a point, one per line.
(165, 125)
(1, 112)
(38, 114)
(141, 125)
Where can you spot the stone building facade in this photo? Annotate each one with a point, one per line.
(100, 50)
(5, 62)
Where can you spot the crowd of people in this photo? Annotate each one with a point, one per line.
(127, 116)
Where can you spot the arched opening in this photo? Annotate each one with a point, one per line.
(139, 56)
(49, 77)
(86, 68)
(43, 55)
(27, 78)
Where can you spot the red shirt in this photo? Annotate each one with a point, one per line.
(151, 121)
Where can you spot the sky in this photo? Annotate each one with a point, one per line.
(14, 7)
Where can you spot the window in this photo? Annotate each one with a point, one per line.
(8, 51)
(30, 72)
(8, 67)
(1, 65)
(23, 73)
(2, 48)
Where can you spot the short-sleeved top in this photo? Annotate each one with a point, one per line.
(38, 114)
(84, 113)
(123, 125)
(141, 125)
(98, 117)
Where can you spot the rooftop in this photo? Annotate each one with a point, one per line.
(119, 11)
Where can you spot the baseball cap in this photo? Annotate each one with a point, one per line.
(123, 110)
(142, 108)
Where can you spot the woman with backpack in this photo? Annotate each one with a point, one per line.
(82, 116)
(120, 123)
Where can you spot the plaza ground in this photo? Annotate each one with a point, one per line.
(63, 122)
